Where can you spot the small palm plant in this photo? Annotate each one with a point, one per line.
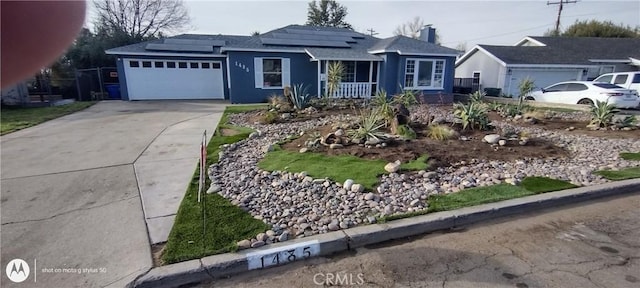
(525, 86)
(473, 115)
(369, 127)
(477, 96)
(383, 106)
(334, 77)
(602, 113)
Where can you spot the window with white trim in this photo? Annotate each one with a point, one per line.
(424, 74)
(272, 72)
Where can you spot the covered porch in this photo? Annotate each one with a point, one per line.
(360, 76)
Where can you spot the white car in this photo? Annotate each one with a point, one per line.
(585, 92)
(629, 80)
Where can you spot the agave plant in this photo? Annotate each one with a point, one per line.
(628, 121)
(473, 115)
(478, 96)
(369, 127)
(299, 97)
(602, 113)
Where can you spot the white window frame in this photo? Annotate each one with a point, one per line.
(285, 65)
(416, 68)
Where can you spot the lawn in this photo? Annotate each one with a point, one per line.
(225, 223)
(489, 194)
(630, 156)
(336, 168)
(623, 174)
(14, 119)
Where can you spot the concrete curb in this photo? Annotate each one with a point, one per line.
(224, 265)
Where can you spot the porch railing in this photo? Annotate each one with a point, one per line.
(353, 90)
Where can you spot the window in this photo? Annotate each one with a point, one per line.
(620, 79)
(159, 64)
(576, 87)
(605, 79)
(182, 64)
(194, 65)
(171, 64)
(556, 88)
(424, 74)
(146, 64)
(205, 65)
(349, 74)
(215, 65)
(607, 85)
(272, 72)
(134, 64)
(636, 78)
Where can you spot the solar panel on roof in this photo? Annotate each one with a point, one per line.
(303, 42)
(181, 48)
(194, 42)
(312, 37)
(316, 32)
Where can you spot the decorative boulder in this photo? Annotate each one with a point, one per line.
(392, 167)
(492, 138)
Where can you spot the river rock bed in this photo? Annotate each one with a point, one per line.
(297, 205)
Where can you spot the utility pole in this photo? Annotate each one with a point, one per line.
(560, 3)
(372, 32)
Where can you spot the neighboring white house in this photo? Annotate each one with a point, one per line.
(547, 60)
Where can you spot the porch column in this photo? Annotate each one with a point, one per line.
(370, 78)
(319, 89)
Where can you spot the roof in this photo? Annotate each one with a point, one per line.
(563, 51)
(321, 43)
(406, 45)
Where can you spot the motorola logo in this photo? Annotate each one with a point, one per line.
(17, 270)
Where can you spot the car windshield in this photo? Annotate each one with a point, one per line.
(607, 86)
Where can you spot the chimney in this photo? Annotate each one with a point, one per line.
(428, 34)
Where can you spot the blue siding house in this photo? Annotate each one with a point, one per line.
(248, 69)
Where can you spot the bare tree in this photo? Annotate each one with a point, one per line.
(462, 47)
(410, 29)
(142, 19)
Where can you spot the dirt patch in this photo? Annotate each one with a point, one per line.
(441, 153)
(258, 116)
(229, 132)
(580, 127)
(156, 254)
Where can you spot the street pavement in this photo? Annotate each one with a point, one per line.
(71, 202)
(592, 244)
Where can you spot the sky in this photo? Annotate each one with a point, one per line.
(471, 22)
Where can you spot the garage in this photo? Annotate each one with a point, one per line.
(541, 77)
(165, 79)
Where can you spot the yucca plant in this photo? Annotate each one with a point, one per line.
(407, 98)
(334, 77)
(628, 121)
(440, 132)
(299, 97)
(602, 113)
(473, 115)
(369, 127)
(477, 96)
(383, 106)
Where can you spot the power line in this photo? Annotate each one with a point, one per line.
(372, 32)
(497, 35)
(560, 4)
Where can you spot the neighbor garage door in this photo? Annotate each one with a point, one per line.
(173, 79)
(541, 77)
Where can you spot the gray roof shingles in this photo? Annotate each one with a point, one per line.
(358, 49)
(568, 50)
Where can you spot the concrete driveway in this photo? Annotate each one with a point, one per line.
(71, 202)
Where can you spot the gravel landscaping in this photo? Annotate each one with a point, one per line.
(297, 205)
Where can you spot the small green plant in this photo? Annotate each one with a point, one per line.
(278, 102)
(270, 117)
(628, 121)
(299, 96)
(440, 132)
(525, 86)
(406, 132)
(494, 106)
(369, 127)
(383, 106)
(407, 98)
(473, 115)
(602, 114)
(334, 77)
(478, 96)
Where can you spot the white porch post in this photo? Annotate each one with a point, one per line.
(319, 77)
(370, 79)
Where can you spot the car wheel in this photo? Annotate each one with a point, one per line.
(586, 102)
(530, 98)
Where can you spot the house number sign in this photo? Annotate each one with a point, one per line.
(241, 66)
(282, 255)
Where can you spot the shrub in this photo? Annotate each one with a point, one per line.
(369, 126)
(407, 97)
(334, 76)
(473, 115)
(477, 96)
(602, 113)
(534, 114)
(270, 117)
(440, 132)
(299, 97)
(406, 132)
(383, 106)
(628, 121)
(278, 102)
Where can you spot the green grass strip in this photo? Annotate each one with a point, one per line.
(630, 156)
(415, 165)
(336, 168)
(14, 119)
(225, 223)
(544, 184)
(623, 174)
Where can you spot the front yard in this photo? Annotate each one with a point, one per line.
(14, 119)
(341, 164)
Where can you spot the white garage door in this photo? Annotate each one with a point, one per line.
(173, 79)
(541, 78)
